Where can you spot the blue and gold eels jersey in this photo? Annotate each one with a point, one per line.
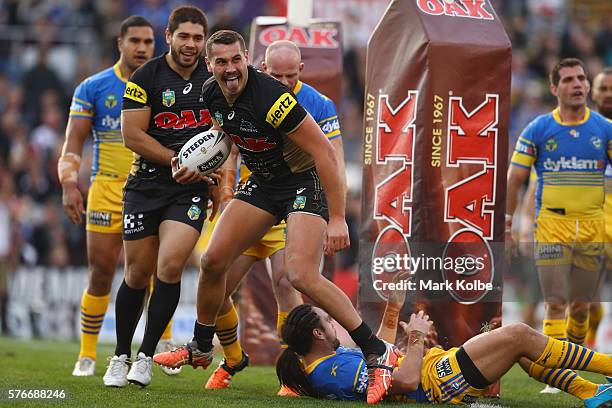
(321, 108)
(98, 98)
(570, 160)
(344, 376)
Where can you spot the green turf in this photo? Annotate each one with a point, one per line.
(48, 365)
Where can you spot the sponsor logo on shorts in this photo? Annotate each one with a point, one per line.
(132, 223)
(101, 218)
(135, 92)
(110, 101)
(168, 98)
(443, 368)
(280, 109)
(469, 399)
(247, 188)
(550, 251)
(299, 203)
(194, 212)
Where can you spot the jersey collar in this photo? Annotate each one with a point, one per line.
(298, 86)
(118, 72)
(310, 368)
(557, 118)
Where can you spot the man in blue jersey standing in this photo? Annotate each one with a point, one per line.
(96, 109)
(282, 61)
(602, 96)
(569, 149)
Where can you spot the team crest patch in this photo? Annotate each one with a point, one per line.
(110, 101)
(551, 144)
(596, 142)
(168, 98)
(443, 368)
(194, 212)
(299, 203)
(219, 118)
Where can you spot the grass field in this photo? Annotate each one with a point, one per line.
(47, 365)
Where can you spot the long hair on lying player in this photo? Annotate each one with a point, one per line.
(297, 334)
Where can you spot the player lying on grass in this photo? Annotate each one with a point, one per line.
(314, 364)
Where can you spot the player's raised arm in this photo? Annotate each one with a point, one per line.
(388, 325)
(134, 125)
(68, 165)
(408, 376)
(309, 137)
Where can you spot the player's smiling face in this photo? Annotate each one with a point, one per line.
(573, 87)
(186, 43)
(229, 65)
(137, 46)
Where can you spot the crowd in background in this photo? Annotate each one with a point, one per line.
(48, 46)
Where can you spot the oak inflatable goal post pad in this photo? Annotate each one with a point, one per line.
(435, 152)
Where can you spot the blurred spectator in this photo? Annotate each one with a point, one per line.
(9, 243)
(157, 12)
(39, 79)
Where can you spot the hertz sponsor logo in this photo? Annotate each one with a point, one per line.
(572, 163)
(280, 109)
(135, 93)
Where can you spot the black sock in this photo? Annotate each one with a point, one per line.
(162, 306)
(367, 341)
(203, 335)
(128, 307)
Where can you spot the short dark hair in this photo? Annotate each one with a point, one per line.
(226, 37)
(133, 21)
(187, 14)
(554, 76)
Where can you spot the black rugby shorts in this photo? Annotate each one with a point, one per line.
(300, 192)
(146, 203)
